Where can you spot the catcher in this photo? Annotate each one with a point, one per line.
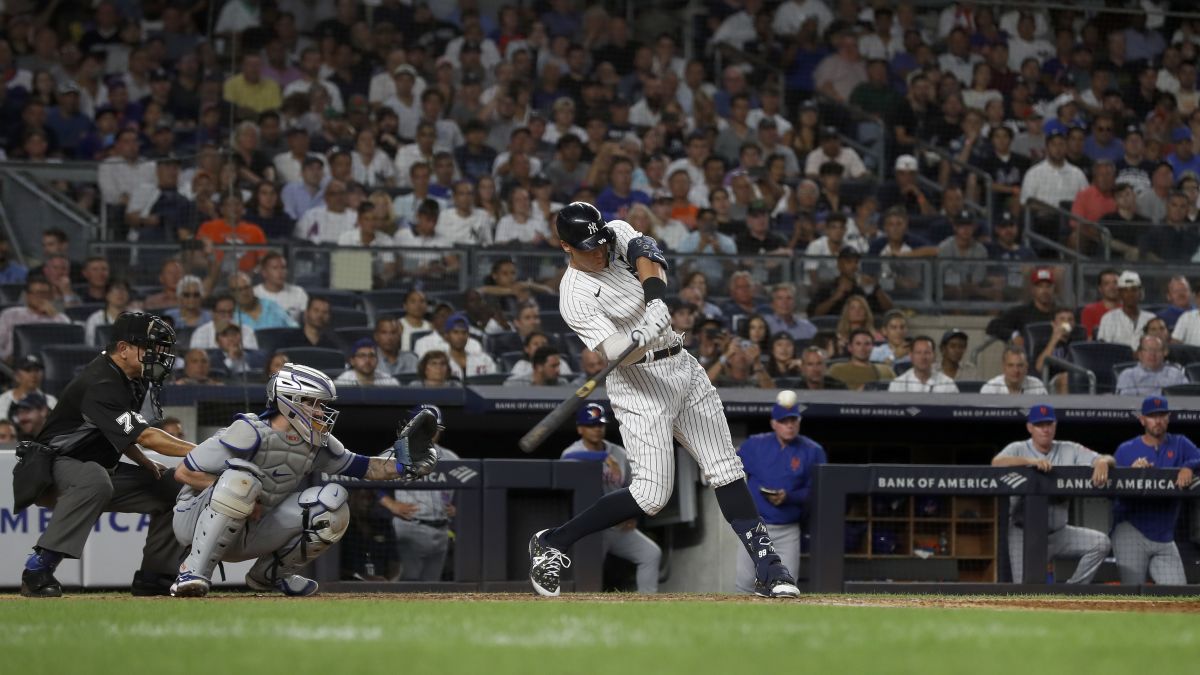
(243, 494)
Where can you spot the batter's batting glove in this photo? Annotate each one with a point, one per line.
(415, 452)
(657, 319)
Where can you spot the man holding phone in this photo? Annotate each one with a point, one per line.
(779, 469)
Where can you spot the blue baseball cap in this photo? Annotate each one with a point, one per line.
(361, 343)
(779, 412)
(1041, 413)
(455, 320)
(591, 415)
(1154, 405)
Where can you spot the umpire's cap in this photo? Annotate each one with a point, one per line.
(143, 330)
(581, 225)
(591, 415)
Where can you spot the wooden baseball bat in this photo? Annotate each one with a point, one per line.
(551, 422)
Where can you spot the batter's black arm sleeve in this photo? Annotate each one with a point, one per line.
(109, 408)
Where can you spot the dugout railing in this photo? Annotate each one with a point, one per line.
(836, 485)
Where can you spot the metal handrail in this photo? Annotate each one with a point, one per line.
(989, 204)
(1105, 233)
(1072, 367)
(71, 212)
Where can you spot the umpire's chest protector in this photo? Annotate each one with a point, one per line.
(285, 459)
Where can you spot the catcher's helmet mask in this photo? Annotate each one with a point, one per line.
(151, 334)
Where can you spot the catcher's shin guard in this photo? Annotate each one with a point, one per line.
(231, 503)
(326, 516)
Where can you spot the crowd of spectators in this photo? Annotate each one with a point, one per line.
(786, 129)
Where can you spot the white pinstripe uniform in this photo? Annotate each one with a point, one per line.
(669, 397)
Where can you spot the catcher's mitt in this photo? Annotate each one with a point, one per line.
(415, 452)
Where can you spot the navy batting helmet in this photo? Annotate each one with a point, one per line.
(581, 225)
(590, 415)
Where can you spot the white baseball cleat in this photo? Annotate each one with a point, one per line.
(188, 585)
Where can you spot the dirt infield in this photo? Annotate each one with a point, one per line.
(1023, 602)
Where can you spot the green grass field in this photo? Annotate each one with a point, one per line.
(233, 633)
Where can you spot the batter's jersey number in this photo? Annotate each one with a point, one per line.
(126, 420)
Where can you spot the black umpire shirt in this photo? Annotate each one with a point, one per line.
(97, 415)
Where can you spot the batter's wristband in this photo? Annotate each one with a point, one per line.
(654, 289)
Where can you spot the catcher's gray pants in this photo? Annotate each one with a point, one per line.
(422, 550)
(1089, 545)
(637, 548)
(1135, 554)
(278, 527)
(786, 539)
(86, 489)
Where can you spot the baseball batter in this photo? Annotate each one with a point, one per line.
(244, 494)
(1144, 535)
(613, 296)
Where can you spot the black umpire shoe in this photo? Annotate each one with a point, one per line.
(150, 583)
(545, 565)
(779, 584)
(40, 584)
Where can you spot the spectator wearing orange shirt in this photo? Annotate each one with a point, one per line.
(220, 231)
(1093, 203)
(682, 209)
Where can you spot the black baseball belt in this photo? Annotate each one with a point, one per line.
(433, 523)
(664, 353)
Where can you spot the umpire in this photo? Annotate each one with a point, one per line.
(97, 420)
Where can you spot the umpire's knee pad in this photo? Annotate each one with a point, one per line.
(326, 512)
(235, 493)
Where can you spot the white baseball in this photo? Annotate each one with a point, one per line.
(786, 398)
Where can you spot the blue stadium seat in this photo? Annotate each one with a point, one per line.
(348, 336)
(80, 313)
(1100, 357)
(552, 322)
(1118, 367)
(346, 317)
(1037, 336)
(493, 378)
(341, 299)
(1189, 389)
(385, 302)
(510, 341)
(1193, 372)
(1183, 354)
(63, 362)
(828, 323)
(30, 338)
(271, 340)
(969, 386)
(318, 357)
(509, 359)
(546, 303)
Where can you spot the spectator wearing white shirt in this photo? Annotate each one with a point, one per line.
(1152, 372)
(405, 100)
(738, 28)
(882, 43)
(28, 374)
(275, 287)
(832, 150)
(367, 233)
(116, 300)
(521, 225)
(205, 335)
(922, 378)
(1124, 324)
(462, 360)
(1053, 180)
(1025, 43)
(123, 171)
(370, 166)
(424, 234)
(1015, 379)
(792, 14)
(325, 224)
(364, 367)
(419, 151)
(404, 207)
(464, 223)
(828, 245)
(433, 104)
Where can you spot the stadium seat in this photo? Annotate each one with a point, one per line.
(877, 385)
(341, 299)
(418, 334)
(1189, 389)
(29, 338)
(104, 335)
(80, 313)
(510, 341)
(569, 344)
(346, 337)
(789, 382)
(1100, 357)
(10, 294)
(492, 378)
(509, 359)
(1193, 372)
(62, 362)
(1037, 336)
(271, 340)
(901, 367)
(384, 302)
(452, 298)
(318, 357)
(546, 303)
(969, 386)
(345, 317)
(1183, 354)
(552, 322)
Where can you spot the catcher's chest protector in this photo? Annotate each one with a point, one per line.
(284, 458)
